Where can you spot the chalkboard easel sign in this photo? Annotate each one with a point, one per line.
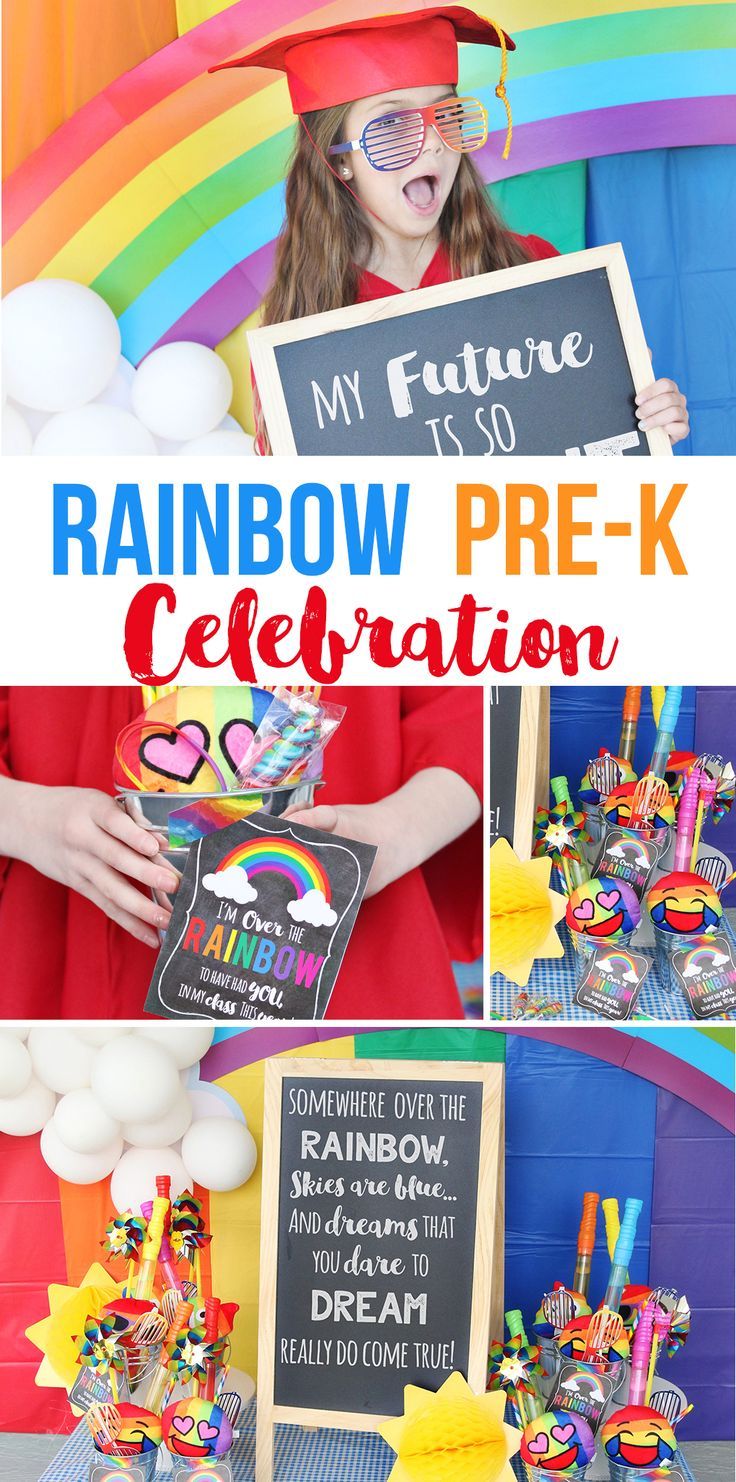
(381, 1237)
(519, 763)
(544, 358)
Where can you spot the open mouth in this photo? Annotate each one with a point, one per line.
(685, 921)
(422, 194)
(607, 928)
(185, 1448)
(563, 1461)
(638, 1456)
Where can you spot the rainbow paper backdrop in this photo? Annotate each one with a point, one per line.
(164, 192)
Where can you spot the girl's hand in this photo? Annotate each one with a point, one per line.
(663, 405)
(360, 821)
(81, 838)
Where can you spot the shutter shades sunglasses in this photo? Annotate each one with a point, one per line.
(396, 140)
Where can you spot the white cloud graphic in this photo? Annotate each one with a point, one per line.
(312, 909)
(606, 966)
(231, 884)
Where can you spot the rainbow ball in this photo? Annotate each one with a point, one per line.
(572, 1340)
(684, 904)
(196, 1429)
(603, 908)
(638, 1437)
(557, 1441)
(139, 1432)
(618, 806)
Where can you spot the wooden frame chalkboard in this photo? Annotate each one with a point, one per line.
(519, 762)
(482, 1276)
(336, 420)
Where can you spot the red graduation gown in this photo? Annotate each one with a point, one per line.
(63, 958)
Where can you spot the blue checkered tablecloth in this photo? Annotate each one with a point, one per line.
(557, 979)
(299, 1456)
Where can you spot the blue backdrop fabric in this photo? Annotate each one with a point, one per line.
(674, 210)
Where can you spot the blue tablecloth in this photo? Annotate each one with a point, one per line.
(299, 1456)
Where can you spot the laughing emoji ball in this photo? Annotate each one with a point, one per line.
(197, 1429)
(603, 908)
(572, 1341)
(684, 904)
(638, 1437)
(619, 803)
(140, 1431)
(557, 1441)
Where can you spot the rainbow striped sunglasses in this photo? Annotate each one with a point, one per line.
(396, 140)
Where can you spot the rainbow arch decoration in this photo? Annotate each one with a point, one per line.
(285, 857)
(164, 192)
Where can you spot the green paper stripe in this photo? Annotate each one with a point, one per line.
(432, 1044)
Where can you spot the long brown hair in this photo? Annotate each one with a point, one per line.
(326, 234)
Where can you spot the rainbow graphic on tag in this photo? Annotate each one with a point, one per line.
(281, 857)
(620, 966)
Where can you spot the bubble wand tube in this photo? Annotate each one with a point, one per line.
(586, 1243)
(629, 720)
(641, 1352)
(161, 1378)
(560, 788)
(515, 1325)
(622, 1254)
(686, 814)
(150, 1249)
(664, 742)
(661, 1329)
(708, 787)
(534, 1404)
(613, 1225)
(211, 1327)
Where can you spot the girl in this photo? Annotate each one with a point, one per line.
(382, 194)
(77, 922)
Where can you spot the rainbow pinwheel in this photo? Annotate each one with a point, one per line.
(510, 1366)
(559, 830)
(188, 1354)
(124, 1236)
(725, 791)
(679, 1326)
(97, 1347)
(187, 1233)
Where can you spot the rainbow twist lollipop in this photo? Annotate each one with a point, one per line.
(97, 1347)
(188, 1355)
(511, 1365)
(124, 1236)
(559, 830)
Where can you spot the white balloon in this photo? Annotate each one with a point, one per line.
(186, 1043)
(219, 1153)
(135, 1078)
(96, 430)
(17, 435)
(208, 1102)
(117, 393)
(61, 344)
(223, 442)
(77, 1168)
(165, 1131)
(165, 448)
(182, 390)
(15, 1065)
(34, 419)
(83, 1124)
(21, 1116)
(134, 1179)
(21, 1031)
(99, 1034)
(60, 1059)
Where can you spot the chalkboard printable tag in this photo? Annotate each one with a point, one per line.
(583, 1393)
(109, 1471)
(381, 1260)
(622, 857)
(261, 922)
(212, 1471)
(612, 983)
(545, 358)
(90, 1388)
(707, 975)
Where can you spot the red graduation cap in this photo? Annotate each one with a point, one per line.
(342, 63)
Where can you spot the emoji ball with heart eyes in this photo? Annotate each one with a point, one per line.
(603, 908)
(638, 1437)
(197, 1429)
(558, 1441)
(684, 903)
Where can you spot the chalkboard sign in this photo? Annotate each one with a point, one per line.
(545, 358)
(519, 762)
(380, 1240)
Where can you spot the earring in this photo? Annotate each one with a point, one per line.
(345, 172)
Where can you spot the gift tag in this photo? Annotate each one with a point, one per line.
(612, 983)
(90, 1388)
(261, 922)
(110, 1471)
(208, 1471)
(623, 858)
(707, 975)
(585, 1394)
